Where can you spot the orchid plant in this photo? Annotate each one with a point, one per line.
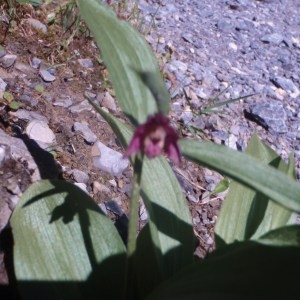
(66, 248)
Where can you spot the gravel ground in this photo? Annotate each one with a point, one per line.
(242, 47)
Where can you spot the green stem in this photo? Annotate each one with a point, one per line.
(130, 280)
(134, 205)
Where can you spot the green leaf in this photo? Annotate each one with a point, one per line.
(245, 270)
(32, 2)
(39, 88)
(221, 187)
(125, 54)
(246, 170)
(210, 109)
(253, 214)
(8, 96)
(170, 225)
(15, 105)
(158, 90)
(65, 247)
(284, 236)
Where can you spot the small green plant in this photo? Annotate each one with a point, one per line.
(8, 99)
(65, 247)
(39, 88)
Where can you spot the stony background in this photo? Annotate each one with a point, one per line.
(242, 47)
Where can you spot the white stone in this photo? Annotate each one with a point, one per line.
(82, 186)
(233, 46)
(231, 142)
(40, 132)
(109, 160)
(37, 25)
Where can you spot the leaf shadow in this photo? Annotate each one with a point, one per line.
(71, 205)
(44, 160)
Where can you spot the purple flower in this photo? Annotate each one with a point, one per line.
(155, 137)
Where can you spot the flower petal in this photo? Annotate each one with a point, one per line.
(134, 146)
(173, 152)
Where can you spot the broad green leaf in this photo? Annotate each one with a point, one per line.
(253, 214)
(246, 170)
(275, 215)
(284, 236)
(170, 225)
(125, 54)
(245, 270)
(158, 90)
(65, 247)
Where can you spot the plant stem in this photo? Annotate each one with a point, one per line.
(130, 280)
(134, 205)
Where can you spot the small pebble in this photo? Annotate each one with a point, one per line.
(8, 60)
(88, 135)
(47, 76)
(80, 176)
(86, 63)
(37, 25)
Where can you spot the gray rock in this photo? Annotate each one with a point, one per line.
(107, 101)
(90, 94)
(36, 62)
(40, 132)
(19, 152)
(186, 117)
(86, 63)
(199, 123)
(270, 115)
(287, 85)
(176, 106)
(24, 114)
(87, 133)
(63, 102)
(187, 37)
(114, 207)
(108, 160)
(47, 76)
(80, 176)
(8, 60)
(100, 188)
(2, 52)
(37, 25)
(24, 68)
(177, 65)
(80, 107)
(225, 26)
(274, 38)
(3, 85)
(220, 134)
